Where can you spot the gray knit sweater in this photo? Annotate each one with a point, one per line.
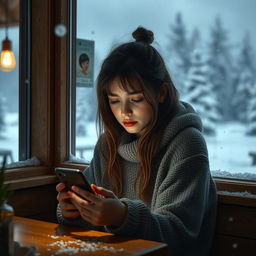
(181, 209)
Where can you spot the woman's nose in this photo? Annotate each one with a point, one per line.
(126, 110)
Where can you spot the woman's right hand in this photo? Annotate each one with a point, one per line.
(68, 210)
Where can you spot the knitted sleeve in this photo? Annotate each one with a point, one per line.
(183, 199)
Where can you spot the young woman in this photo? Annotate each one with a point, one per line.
(150, 171)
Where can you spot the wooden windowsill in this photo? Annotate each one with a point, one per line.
(26, 172)
(235, 185)
(32, 182)
(236, 200)
(52, 179)
(34, 176)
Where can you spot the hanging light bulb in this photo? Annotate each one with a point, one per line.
(7, 58)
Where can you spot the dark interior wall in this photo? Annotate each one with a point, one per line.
(36, 203)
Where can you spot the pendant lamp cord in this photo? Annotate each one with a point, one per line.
(6, 17)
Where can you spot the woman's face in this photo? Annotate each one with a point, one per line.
(130, 108)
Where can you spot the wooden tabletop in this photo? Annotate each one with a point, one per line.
(54, 239)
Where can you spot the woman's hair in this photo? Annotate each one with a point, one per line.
(135, 60)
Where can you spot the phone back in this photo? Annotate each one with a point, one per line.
(72, 177)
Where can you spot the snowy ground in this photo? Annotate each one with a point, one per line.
(9, 138)
(228, 150)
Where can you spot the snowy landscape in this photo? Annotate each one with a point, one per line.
(228, 150)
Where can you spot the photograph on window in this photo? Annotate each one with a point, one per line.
(84, 63)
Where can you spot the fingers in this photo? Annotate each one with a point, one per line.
(102, 191)
(82, 204)
(62, 196)
(70, 214)
(85, 194)
(68, 210)
(60, 186)
(97, 210)
(64, 206)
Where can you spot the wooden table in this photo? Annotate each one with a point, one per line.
(49, 238)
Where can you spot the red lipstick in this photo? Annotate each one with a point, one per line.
(129, 123)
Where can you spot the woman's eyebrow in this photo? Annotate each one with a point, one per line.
(129, 93)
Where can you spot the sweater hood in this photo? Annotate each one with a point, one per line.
(184, 118)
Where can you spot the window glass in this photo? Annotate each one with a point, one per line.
(9, 87)
(209, 48)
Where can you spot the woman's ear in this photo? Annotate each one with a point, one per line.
(163, 93)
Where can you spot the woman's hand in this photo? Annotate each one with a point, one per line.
(100, 209)
(68, 209)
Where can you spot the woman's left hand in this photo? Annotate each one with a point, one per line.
(100, 209)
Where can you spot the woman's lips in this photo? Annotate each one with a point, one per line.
(129, 123)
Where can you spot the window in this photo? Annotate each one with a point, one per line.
(37, 66)
(9, 86)
(209, 51)
(55, 92)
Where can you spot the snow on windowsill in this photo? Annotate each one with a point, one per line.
(74, 159)
(33, 161)
(235, 175)
(240, 194)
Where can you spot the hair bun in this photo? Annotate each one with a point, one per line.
(143, 35)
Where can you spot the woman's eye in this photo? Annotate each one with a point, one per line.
(137, 100)
(113, 101)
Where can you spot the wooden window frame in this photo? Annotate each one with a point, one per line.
(42, 103)
(50, 102)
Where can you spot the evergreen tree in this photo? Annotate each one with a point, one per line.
(178, 52)
(251, 113)
(221, 68)
(85, 109)
(243, 94)
(199, 93)
(245, 79)
(195, 41)
(2, 115)
(247, 56)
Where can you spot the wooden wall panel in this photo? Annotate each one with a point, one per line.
(36, 203)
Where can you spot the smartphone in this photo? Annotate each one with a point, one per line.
(72, 177)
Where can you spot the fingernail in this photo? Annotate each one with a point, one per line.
(74, 188)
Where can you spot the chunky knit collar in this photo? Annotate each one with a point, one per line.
(184, 118)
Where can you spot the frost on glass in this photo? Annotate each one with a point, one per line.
(211, 57)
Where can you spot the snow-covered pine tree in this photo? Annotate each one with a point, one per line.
(198, 92)
(178, 52)
(2, 115)
(195, 41)
(251, 113)
(243, 94)
(85, 105)
(221, 68)
(247, 55)
(245, 79)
